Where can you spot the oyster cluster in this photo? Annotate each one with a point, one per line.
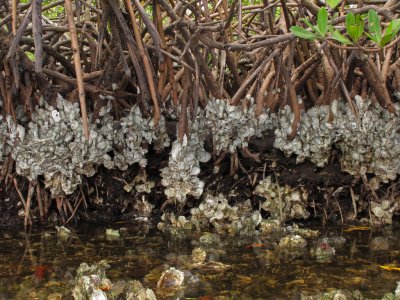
(292, 241)
(174, 225)
(11, 134)
(216, 211)
(369, 143)
(232, 126)
(91, 281)
(134, 132)
(314, 135)
(282, 202)
(180, 177)
(383, 210)
(55, 146)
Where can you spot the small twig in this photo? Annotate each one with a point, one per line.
(340, 210)
(353, 200)
(31, 190)
(78, 66)
(40, 202)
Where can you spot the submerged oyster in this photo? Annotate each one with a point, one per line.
(324, 252)
(211, 267)
(131, 290)
(142, 208)
(270, 226)
(90, 281)
(198, 255)
(171, 279)
(63, 232)
(294, 241)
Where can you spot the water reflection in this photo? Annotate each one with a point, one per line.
(37, 264)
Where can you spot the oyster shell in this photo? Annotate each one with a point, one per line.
(283, 202)
(171, 279)
(294, 241)
(198, 255)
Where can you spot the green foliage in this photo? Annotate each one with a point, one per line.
(332, 3)
(374, 27)
(30, 55)
(337, 36)
(303, 33)
(322, 21)
(354, 26)
(391, 32)
(319, 31)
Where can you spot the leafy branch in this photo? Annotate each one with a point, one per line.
(355, 28)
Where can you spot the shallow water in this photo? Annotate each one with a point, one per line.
(38, 264)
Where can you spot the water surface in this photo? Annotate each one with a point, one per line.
(38, 264)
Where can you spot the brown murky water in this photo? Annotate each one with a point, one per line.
(38, 264)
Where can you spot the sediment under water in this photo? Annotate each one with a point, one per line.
(40, 265)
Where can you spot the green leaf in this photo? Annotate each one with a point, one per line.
(303, 33)
(322, 21)
(354, 26)
(386, 39)
(374, 26)
(390, 33)
(373, 38)
(337, 36)
(395, 24)
(307, 22)
(350, 19)
(332, 3)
